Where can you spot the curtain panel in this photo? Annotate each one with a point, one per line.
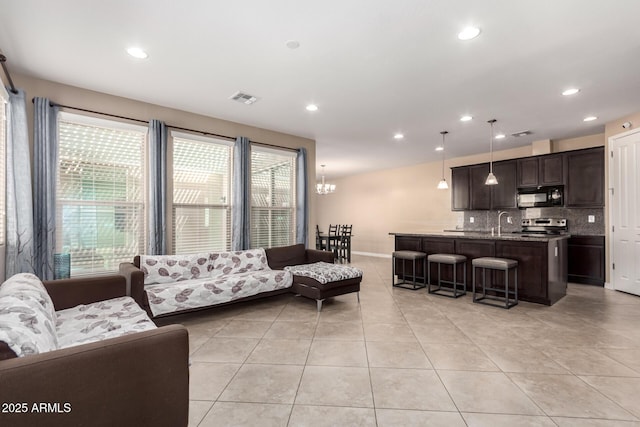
(156, 218)
(45, 165)
(19, 207)
(302, 198)
(241, 206)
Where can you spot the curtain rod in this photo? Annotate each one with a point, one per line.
(3, 59)
(231, 138)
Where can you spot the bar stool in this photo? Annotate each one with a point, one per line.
(500, 264)
(408, 256)
(453, 260)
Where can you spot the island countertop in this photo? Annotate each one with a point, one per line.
(478, 235)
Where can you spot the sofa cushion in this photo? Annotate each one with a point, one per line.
(238, 261)
(101, 320)
(204, 292)
(173, 268)
(280, 257)
(324, 272)
(27, 317)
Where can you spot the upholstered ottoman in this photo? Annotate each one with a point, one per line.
(322, 280)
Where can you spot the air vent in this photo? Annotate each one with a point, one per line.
(243, 98)
(522, 133)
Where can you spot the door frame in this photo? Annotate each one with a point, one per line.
(609, 233)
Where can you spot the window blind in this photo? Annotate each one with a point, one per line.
(272, 197)
(3, 155)
(100, 195)
(201, 194)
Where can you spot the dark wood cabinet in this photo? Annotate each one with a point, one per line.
(460, 189)
(503, 195)
(479, 192)
(472, 248)
(586, 260)
(527, 172)
(584, 187)
(550, 169)
(541, 170)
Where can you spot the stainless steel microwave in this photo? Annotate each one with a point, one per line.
(540, 197)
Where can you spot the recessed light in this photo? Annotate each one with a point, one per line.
(293, 44)
(398, 136)
(590, 118)
(469, 33)
(312, 107)
(440, 148)
(137, 52)
(571, 91)
(465, 118)
(500, 136)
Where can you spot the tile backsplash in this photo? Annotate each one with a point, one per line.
(577, 219)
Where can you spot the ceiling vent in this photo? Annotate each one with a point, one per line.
(522, 133)
(243, 98)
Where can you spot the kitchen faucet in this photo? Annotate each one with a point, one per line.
(499, 222)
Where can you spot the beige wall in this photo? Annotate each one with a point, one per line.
(91, 100)
(406, 199)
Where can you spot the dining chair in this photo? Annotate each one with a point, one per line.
(344, 243)
(319, 243)
(332, 240)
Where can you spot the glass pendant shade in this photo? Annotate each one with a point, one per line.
(491, 178)
(442, 185)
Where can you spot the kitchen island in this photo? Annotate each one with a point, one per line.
(542, 259)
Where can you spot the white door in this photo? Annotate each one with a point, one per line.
(624, 178)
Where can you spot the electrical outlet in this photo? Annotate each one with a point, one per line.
(591, 218)
(472, 220)
(509, 220)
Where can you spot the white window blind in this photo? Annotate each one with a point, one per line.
(272, 197)
(100, 195)
(3, 156)
(201, 194)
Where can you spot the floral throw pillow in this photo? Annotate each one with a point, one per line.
(174, 268)
(27, 319)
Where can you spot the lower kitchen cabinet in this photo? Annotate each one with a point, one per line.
(586, 260)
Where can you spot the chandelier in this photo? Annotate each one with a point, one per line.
(323, 187)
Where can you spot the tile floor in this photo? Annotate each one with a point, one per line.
(404, 358)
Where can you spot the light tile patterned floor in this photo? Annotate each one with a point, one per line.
(404, 358)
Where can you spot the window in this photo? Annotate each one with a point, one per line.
(273, 202)
(201, 194)
(100, 196)
(4, 98)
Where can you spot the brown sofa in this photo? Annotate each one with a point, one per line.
(277, 259)
(136, 379)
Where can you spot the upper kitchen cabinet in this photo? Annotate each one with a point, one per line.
(584, 186)
(503, 195)
(460, 189)
(479, 192)
(541, 170)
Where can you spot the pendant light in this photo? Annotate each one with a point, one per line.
(491, 178)
(442, 185)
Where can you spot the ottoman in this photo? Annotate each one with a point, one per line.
(322, 280)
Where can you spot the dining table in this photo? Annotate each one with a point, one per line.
(330, 242)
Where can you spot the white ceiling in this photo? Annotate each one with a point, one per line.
(374, 67)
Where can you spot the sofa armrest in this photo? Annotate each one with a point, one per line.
(137, 379)
(67, 293)
(314, 255)
(135, 282)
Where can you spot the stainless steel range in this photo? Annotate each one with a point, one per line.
(544, 226)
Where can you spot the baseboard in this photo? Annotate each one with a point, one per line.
(371, 254)
(608, 285)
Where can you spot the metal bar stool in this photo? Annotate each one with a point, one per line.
(452, 260)
(501, 264)
(408, 256)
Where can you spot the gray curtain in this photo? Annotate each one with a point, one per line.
(157, 229)
(45, 165)
(302, 198)
(19, 250)
(241, 206)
